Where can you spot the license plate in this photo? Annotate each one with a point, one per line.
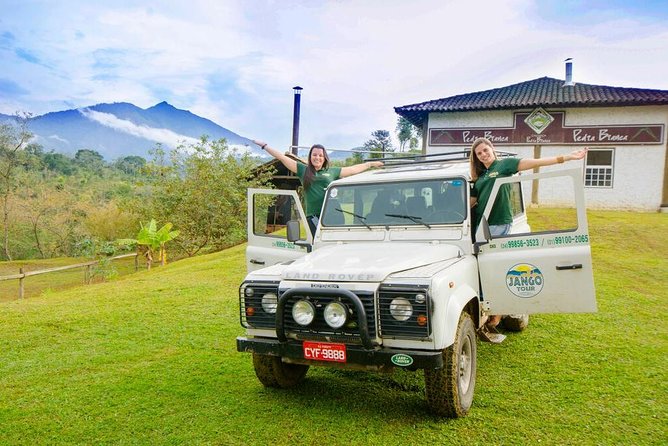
(324, 351)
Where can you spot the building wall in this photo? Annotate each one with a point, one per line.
(639, 170)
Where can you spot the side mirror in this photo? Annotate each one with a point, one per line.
(293, 230)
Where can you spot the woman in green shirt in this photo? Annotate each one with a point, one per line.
(316, 176)
(485, 168)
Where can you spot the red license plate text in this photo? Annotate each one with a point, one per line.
(324, 351)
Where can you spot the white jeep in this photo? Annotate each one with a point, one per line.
(393, 278)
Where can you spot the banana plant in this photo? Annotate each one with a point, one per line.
(153, 240)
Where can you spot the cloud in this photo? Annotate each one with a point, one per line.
(235, 62)
(9, 87)
(27, 56)
(58, 138)
(163, 136)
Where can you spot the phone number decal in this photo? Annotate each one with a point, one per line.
(521, 243)
(568, 239)
(558, 240)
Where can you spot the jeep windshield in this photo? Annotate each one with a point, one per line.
(407, 203)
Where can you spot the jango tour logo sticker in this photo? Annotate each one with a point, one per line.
(401, 360)
(524, 280)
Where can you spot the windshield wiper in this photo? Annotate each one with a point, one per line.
(409, 217)
(359, 217)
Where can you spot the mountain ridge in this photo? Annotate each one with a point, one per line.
(119, 129)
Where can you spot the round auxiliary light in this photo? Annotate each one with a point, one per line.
(249, 292)
(336, 314)
(269, 303)
(420, 298)
(401, 309)
(303, 312)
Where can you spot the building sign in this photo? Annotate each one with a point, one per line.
(540, 127)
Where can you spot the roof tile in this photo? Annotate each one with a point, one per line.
(541, 92)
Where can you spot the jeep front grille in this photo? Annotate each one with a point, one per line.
(250, 304)
(410, 328)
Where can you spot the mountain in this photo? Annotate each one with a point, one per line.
(121, 129)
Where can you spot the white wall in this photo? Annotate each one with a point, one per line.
(639, 169)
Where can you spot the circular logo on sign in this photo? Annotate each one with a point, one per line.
(524, 280)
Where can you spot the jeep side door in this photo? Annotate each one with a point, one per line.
(546, 270)
(269, 210)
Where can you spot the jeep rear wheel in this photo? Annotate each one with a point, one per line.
(450, 389)
(273, 372)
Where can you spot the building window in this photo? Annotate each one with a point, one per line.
(599, 167)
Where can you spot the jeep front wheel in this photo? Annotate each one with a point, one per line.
(273, 372)
(450, 388)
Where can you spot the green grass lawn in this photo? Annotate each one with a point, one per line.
(150, 358)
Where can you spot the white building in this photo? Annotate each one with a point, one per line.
(625, 129)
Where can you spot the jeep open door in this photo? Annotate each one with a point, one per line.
(269, 210)
(549, 269)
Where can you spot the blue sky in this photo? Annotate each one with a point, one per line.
(235, 62)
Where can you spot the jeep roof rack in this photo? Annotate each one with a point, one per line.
(447, 157)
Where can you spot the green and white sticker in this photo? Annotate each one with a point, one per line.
(401, 360)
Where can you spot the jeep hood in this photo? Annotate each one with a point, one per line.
(365, 262)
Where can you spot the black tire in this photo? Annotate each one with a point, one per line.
(515, 322)
(272, 372)
(450, 389)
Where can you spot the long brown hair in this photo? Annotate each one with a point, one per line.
(310, 170)
(477, 167)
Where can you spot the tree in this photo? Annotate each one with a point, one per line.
(201, 189)
(131, 165)
(59, 163)
(90, 160)
(379, 143)
(13, 140)
(408, 134)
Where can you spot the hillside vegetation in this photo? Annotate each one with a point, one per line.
(151, 358)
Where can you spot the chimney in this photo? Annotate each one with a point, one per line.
(569, 73)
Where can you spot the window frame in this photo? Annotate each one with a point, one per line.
(588, 169)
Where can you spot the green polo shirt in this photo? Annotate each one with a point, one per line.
(501, 211)
(314, 195)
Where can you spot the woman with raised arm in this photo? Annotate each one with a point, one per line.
(315, 176)
(485, 168)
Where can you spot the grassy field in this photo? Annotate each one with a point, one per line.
(150, 359)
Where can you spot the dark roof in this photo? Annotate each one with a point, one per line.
(541, 92)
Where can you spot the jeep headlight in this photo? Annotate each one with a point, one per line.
(269, 303)
(303, 312)
(401, 309)
(336, 314)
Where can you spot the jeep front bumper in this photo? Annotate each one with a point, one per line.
(355, 354)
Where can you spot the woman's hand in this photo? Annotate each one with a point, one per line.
(577, 154)
(259, 143)
(376, 163)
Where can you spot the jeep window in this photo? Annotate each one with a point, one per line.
(553, 208)
(272, 212)
(407, 203)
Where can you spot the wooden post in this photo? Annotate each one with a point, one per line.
(21, 290)
(136, 262)
(87, 275)
(534, 183)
